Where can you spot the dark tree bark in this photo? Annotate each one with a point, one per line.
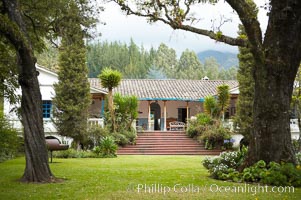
(274, 77)
(37, 166)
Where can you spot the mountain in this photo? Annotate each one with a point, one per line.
(225, 59)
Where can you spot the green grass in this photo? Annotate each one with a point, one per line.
(118, 178)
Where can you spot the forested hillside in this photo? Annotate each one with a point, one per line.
(225, 59)
(137, 62)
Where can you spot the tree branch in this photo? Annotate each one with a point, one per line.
(176, 23)
(247, 12)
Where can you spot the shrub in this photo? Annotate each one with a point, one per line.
(215, 137)
(120, 139)
(131, 136)
(284, 174)
(96, 133)
(210, 131)
(9, 141)
(72, 153)
(204, 119)
(225, 165)
(108, 147)
(199, 125)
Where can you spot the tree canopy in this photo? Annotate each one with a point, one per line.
(72, 92)
(137, 62)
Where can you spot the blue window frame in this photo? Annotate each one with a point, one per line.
(47, 106)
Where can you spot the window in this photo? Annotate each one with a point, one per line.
(47, 105)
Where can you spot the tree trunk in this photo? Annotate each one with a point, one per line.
(271, 138)
(37, 166)
(276, 66)
(111, 109)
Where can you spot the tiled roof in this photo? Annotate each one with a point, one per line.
(174, 89)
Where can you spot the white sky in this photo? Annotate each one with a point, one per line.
(120, 27)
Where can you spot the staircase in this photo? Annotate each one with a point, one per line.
(165, 143)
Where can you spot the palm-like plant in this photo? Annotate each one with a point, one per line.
(110, 79)
(223, 98)
(210, 106)
(108, 147)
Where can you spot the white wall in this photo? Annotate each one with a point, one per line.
(46, 80)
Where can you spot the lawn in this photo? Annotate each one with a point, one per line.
(130, 177)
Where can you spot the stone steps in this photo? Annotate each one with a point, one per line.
(165, 143)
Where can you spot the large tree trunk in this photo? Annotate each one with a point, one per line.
(274, 75)
(37, 166)
(271, 138)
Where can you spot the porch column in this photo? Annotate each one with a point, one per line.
(102, 107)
(187, 110)
(148, 116)
(164, 129)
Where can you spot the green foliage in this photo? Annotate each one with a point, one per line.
(125, 111)
(8, 72)
(49, 57)
(161, 63)
(224, 167)
(189, 66)
(166, 59)
(110, 78)
(72, 98)
(72, 153)
(108, 147)
(211, 68)
(199, 125)
(96, 133)
(296, 145)
(9, 140)
(130, 60)
(215, 137)
(214, 107)
(120, 139)
(219, 35)
(244, 114)
(209, 131)
(223, 94)
(211, 106)
(131, 136)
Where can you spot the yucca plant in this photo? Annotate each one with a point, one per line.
(108, 147)
(210, 106)
(223, 99)
(110, 79)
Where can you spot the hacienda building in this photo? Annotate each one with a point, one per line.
(160, 102)
(164, 101)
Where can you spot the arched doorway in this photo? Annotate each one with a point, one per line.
(156, 115)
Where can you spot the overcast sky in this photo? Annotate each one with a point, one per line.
(120, 27)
